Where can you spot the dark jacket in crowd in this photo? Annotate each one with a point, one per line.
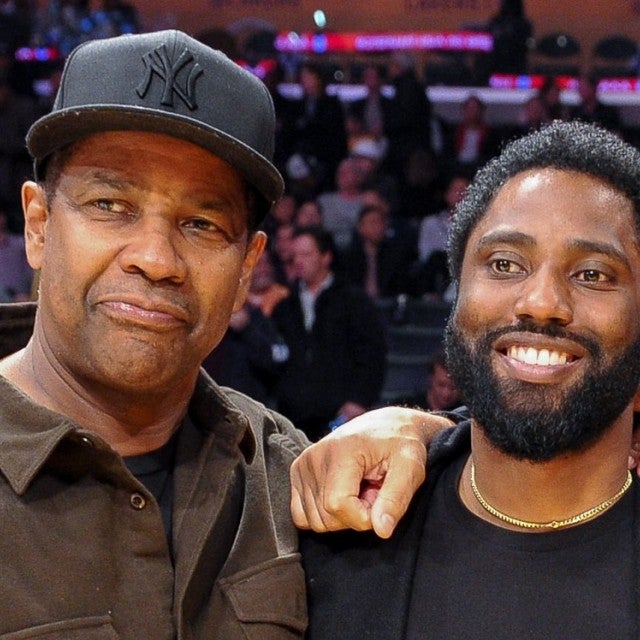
(318, 131)
(407, 122)
(343, 357)
(250, 360)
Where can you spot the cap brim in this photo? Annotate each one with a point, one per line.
(66, 126)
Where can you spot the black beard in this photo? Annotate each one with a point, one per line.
(534, 421)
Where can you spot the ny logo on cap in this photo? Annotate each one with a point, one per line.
(159, 63)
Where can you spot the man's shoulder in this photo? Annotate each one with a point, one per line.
(348, 296)
(450, 443)
(348, 568)
(269, 427)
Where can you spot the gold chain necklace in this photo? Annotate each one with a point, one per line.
(554, 524)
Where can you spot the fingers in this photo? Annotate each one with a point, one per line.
(333, 489)
(341, 504)
(324, 494)
(405, 473)
(383, 451)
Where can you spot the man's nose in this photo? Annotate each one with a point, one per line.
(153, 250)
(545, 298)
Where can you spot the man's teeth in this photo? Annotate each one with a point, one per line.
(541, 357)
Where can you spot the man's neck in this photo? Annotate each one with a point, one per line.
(371, 246)
(132, 424)
(546, 491)
(319, 284)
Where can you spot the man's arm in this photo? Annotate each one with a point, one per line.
(364, 474)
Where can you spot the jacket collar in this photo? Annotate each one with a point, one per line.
(29, 433)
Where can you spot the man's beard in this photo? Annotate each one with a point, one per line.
(538, 422)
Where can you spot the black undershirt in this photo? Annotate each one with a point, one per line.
(155, 471)
(477, 581)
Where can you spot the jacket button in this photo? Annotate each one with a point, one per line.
(137, 501)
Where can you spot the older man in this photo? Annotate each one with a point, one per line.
(140, 500)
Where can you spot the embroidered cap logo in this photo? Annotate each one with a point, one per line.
(158, 62)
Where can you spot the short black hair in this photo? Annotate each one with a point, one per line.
(322, 237)
(568, 146)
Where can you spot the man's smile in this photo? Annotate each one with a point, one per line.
(538, 358)
(541, 357)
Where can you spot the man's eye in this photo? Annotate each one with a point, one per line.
(207, 229)
(593, 275)
(110, 206)
(200, 224)
(503, 265)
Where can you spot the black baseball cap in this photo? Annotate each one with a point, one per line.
(164, 82)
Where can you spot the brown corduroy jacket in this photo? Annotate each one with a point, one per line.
(83, 552)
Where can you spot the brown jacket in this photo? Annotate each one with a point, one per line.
(83, 549)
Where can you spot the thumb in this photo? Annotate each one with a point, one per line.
(394, 496)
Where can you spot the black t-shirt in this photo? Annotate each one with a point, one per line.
(155, 471)
(477, 581)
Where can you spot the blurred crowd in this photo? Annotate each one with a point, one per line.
(371, 186)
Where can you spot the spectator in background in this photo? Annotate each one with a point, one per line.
(550, 95)
(408, 120)
(430, 274)
(274, 75)
(398, 228)
(309, 214)
(283, 253)
(421, 190)
(282, 212)
(303, 176)
(591, 109)
(511, 31)
(369, 155)
(16, 275)
(355, 128)
(251, 354)
(265, 292)
(337, 362)
(533, 115)
(340, 208)
(434, 230)
(440, 392)
(372, 110)
(372, 261)
(318, 125)
(472, 134)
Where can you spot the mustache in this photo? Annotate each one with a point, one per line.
(549, 331)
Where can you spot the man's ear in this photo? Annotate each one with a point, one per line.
(255, 248)
(36, 215)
